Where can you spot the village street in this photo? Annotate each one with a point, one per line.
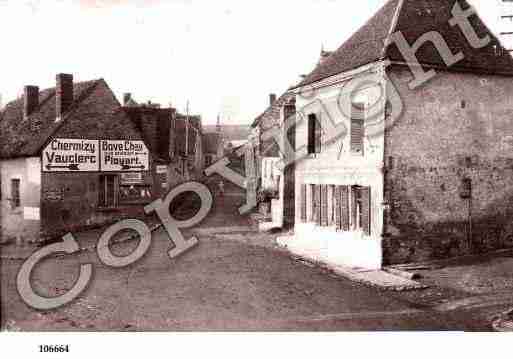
(236, 279)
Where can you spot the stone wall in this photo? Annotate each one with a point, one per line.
(457, 127)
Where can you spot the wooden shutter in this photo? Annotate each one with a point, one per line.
(344, 208)
(311, 204)
(354, 196)
(331, 205)
(318, 137)
(303, 203)
(366, 208)
(311, 133)
(357, 127)
(324, 205)
(338, 206)
(317, 204)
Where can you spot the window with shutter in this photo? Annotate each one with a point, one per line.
(338, 208)
(354, 208)
(317, 204)
(318, 137)
(331, 205)
(314, 135)
(344, 208)
(365, 210)
(311, 133)
(15, 193)
(312, 203)
(324, 205)
(357, 127)
(303, 203)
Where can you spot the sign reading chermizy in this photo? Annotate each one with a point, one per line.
(71, 155)
(77, 155)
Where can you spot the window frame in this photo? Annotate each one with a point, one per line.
(15, 199)
(103, 188)
(361, 106)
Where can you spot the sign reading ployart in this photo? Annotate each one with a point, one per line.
(71, 155)
(123, 155)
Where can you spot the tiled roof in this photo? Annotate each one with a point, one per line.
(89, 116)
(413, 18)
(271, 116)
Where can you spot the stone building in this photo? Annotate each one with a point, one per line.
(431, 175)
(268, 155)
(72, 157)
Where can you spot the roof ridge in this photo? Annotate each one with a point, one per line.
(74, 106)
(393, 25)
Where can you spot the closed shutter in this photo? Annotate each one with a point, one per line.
(366, 208)
(311, 133)
(324, 205)
(338, 208)
(331, 205)
(318, 138)
(354, 198)
(311, 204)
(317, 204)
(303, 203)
(344, 208)
(357, 127)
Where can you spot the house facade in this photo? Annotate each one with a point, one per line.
(427, 177)
(267, 152)
(71, 157)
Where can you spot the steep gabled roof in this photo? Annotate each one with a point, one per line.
(414, 18)
(271, 116)
(19, 136)
(95, 114)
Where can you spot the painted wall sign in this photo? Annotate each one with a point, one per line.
(53, 195)
(123, 155)
(71, 155)
(131, 178)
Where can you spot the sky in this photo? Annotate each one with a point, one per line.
(224, 57)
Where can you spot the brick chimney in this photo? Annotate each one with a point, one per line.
(63, 94)
(324, 55)
(272, 99)
(30, 100)
(126, 98)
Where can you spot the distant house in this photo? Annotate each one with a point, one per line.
(268, 154)
(71, 157)
(213, 148)
(428, 177)
(194, 159)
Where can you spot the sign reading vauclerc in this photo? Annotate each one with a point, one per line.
(71, 155)
(124, 155)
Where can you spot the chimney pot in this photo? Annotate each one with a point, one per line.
(63, 94)
(30, 100)
(272, 99)
(126, 98)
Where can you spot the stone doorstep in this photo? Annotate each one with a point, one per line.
(378, 278)
(371, 277)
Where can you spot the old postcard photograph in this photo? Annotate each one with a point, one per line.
(272, 166)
